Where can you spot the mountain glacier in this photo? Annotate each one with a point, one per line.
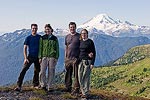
(117, 28)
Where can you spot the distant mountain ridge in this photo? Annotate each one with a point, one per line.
(108, 48)
(134, 54)
(111, 48)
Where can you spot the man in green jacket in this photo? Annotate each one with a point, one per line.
(48, 56)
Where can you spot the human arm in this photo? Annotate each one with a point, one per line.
(92, 54)
(57, 49)
(40, 50)
(25, 54)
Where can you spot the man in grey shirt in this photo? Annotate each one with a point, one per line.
(72, 42)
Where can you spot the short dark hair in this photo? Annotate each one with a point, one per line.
(72, 23)
(34, 25)
(48, 25)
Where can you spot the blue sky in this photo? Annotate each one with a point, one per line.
(19, 14)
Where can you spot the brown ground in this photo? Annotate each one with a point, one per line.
(28, 93)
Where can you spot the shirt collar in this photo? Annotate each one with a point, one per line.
(50, 35)
(85, 39)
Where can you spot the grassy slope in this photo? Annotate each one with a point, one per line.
(132, 79)
(109, 83)
(134, 54)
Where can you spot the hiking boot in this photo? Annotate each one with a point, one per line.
(44, 88)
(18, 89)
(80, 94)
(84, 96)
(76, 91)
(50, 90)
(67, 90)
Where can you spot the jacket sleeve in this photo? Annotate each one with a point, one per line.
(57, 49)
(93, 51)
(40, 48)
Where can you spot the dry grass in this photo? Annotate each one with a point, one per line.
(41, 92)
(35, 98)
(68, 96)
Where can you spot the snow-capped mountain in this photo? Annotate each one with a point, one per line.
(108, 35)
(104, 24)
(108, 48)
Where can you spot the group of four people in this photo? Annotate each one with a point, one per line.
(44, 52)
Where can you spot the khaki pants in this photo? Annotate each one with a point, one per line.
(84, 72)
(50, 63)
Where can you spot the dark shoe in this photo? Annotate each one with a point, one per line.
(76, 91)
(80, 95)
(50, 90)
(84, 96)
(18, 89)
(35, 85)
(43, 88)
(67, 90)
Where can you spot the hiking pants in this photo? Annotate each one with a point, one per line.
(71, 66)
(84, 76)
(49, 63)
(26, 67)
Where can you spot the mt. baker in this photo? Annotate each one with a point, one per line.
(107, 25)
